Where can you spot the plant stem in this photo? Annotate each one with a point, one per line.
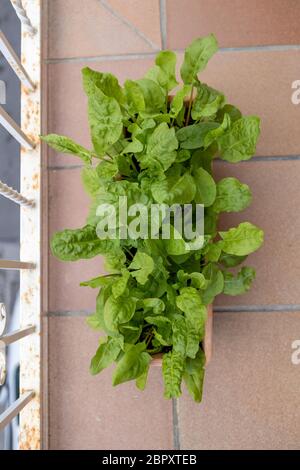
(190, 107)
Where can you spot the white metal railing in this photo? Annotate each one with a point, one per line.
(28, 70)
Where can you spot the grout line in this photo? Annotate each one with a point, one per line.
(274, 47)
(175, 417)
(128, 24)
(163, 23)
(68, 313)
(217, 309)
(264, 158)
(253, 159)
(103, 58)
(65, 167)
(257, 308)
(145, 55)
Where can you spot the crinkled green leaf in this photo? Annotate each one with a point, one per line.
(239, 142)
(172, 369)
(63, 144)
(161, 148)
(174, 190)
(105, 120)
(163, 72)
(207, 102)
(155, 304)
(179, 335)
(177, 102)
(242, 240)
(154, 96)
(232, 196)
(196, 56)
(90, 180)
(120, 284)
(105, 82)
(193, 137)
(239, 284)
(118, 311)
(83, 243)
(189, 301)
(134, 97)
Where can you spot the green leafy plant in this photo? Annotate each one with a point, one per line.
(156, 148)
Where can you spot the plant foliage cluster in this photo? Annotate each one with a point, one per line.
(154, 149)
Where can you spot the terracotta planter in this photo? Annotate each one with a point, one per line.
(207, 343)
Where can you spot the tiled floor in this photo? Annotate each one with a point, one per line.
(252, 389)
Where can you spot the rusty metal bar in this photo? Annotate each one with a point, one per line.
(14, 61)
(22, 15)
(30, 280)
(10, 338)
(12, 264)
(15, 408)
(14, 196)
(12, 127)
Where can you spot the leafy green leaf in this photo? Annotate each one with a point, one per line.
(64, 144)
(189, 301)
(118, 311)
(105, 119)
(205, 187)
(99, 281)
(163, 73)
(90, 179)
(134, 97)
(194, 375)
(215, 285)
(141, 267)
(230, 261)
(83, 243)
(179, 335)
(196, 56)
(106, 354)
(207, 102)
(232, 196)
(160, 148)
(132, 365)
(175, 244)
(239, 142)
(154, 96)
(193, 137)
(120, 284)
(172, 369)
(242, 240)
(237, 285)
(177, 102)
(105, 82)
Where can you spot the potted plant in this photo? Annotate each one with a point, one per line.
(153, 145)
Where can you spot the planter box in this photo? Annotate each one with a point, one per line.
(207, 343)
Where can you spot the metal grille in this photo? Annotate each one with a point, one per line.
(28, 70)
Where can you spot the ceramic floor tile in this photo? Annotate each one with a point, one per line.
(251, 391)
(86, 412)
